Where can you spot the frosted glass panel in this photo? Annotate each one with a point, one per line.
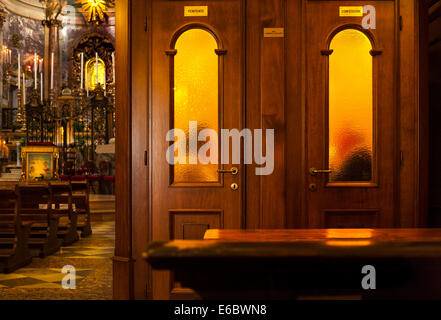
(350, 107)
(196, 99)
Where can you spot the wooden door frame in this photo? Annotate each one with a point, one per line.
(132, 17)
(131, 155)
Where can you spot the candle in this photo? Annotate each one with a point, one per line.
(96, 68)
(82, 70)
(35, 71)
(87, 83)
(105, 84)
(52, 72)
(18, 151)
(19, 71)
(41, 86)
(113, 66)
(24, 88)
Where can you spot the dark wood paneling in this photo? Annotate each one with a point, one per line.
(435, 111)
(265, 105)
(192, 224)
(140, 175)
(351, 219)
(122, 263)
(274, 99)
(295, 116)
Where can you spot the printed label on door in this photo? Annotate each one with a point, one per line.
(196, 11)
(273, 32)
(351, 11)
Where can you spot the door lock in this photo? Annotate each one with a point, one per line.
(234, 186)
(313, 187)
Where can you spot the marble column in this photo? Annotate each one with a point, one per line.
(47, 57)
(52, 44)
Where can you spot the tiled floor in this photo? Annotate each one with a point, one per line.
(42, 279)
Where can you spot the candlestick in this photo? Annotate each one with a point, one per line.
(35, 71)
(96, 67)
(87, 83)
(41, 86)
(24, 89)
(113, 66)
(51, 97)
(82, 70)
(52, 72)
(19, 71)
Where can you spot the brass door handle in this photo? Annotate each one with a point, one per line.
(314, 171)
(234, 171)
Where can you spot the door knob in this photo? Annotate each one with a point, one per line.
(234, 171)
(314, 171)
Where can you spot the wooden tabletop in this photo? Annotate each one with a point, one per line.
(299, 244)
(348, 236)
(289, 263)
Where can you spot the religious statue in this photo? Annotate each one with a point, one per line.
(53, 8)
(94, 11)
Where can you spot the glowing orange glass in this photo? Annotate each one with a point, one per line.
(350, 107)
(196, 97)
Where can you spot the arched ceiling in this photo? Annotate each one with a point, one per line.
(34, 9)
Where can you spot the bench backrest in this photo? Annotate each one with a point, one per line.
(61, 197)
(35, 201)
(9, 206)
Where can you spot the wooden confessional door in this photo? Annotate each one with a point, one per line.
(352, 161)
(197, 85)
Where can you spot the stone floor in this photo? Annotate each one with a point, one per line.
(42, 279)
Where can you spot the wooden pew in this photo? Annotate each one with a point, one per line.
(304, 264)
(80, 198)
(36, 206)
(62, 208)
(14, 234)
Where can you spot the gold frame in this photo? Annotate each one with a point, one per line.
(53, 151)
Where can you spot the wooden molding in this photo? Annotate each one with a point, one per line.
(171, 52)
(220, 52)
(326, 52)
(375, 52)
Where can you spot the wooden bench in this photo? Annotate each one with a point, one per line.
(62, 208)
(80, 198)
(36, 206)
(303, 264)
(14, 234)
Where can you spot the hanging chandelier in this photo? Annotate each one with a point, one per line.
(95, 10)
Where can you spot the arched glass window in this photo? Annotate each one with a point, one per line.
(351, 120)
(196, 98)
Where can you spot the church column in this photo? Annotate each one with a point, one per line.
(47, 57)
(52, 44)
(55, 42)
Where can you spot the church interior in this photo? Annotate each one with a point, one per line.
(220, 150)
